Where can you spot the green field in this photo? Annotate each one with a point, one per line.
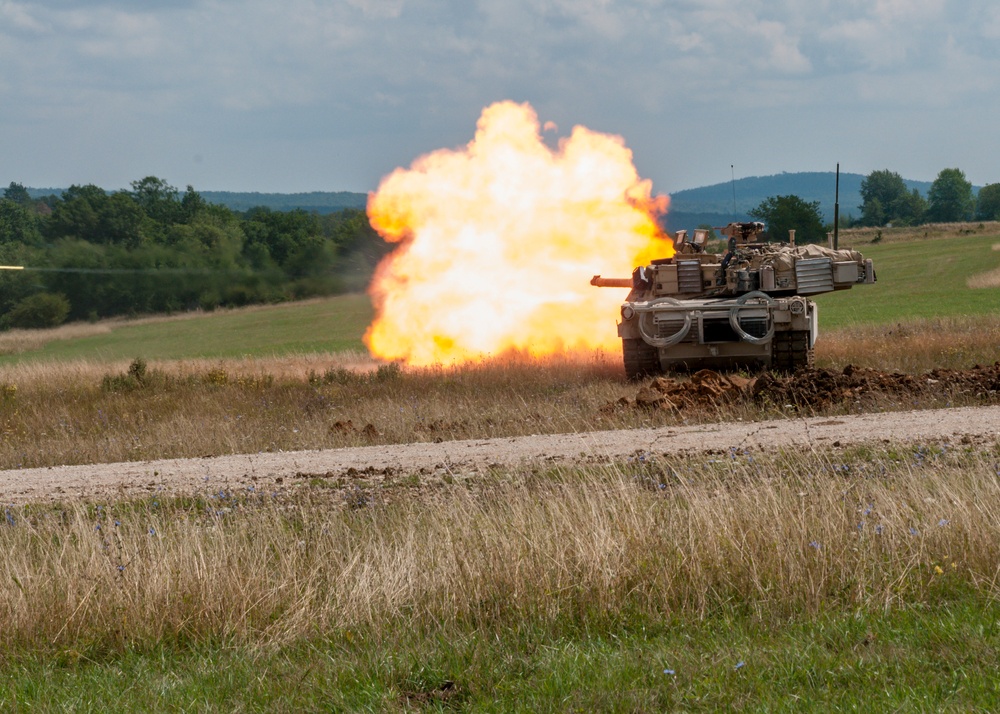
(316, 326)
(916, 279)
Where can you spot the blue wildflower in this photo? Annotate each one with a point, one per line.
(669, 672)
(740, 665)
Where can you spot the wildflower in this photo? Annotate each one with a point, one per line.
(815, 544)
(121, 568)
(152, 531)
(914, 531)
(878, 529)
(669, 672)
(868, 511)
(740, 665)
(943, 522)
(117, 523)
(9, 516)
(937, 569)
(861, 526)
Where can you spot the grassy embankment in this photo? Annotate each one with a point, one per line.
(840, 579)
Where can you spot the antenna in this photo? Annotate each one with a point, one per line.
(732, 170)
(836, 211)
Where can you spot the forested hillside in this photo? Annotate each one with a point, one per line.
(312, 201)
(714, 205)
(88, 253)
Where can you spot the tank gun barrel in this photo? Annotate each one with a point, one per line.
(600, 282)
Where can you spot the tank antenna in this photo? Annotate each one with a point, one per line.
(836, 211)
(732, 170)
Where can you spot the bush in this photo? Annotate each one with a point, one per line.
(38, 311)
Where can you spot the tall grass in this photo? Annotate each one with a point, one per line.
(859, 237)
(914, 345)
(764, 535)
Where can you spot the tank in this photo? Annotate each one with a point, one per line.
(747, 307)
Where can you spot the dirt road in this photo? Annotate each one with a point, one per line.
(268, 471)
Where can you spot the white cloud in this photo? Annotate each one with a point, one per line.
(408, 75)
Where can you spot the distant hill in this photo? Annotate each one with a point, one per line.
(318, 201)
(713, 205)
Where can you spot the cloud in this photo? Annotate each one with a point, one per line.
(394, 77)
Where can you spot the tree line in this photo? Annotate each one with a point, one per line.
(885, 201)
(91, 254)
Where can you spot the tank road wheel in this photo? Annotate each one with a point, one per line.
(640, 358)
(790, 351)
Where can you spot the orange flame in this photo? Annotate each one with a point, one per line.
(498, 243)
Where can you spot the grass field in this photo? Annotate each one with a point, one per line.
(918, 279)
(314, 326)
(860, 579)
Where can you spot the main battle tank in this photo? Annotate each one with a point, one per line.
(746, 307)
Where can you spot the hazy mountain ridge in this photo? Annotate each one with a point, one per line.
(689, 208)
(714, 205)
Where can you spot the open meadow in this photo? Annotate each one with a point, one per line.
(841, 577)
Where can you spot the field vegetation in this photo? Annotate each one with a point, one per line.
(762, 580)
(819, 579)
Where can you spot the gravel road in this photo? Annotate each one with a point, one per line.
(267, 471)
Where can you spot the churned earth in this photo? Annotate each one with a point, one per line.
(272, 472)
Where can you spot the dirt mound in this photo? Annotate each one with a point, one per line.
(811, 389)
(702, 388)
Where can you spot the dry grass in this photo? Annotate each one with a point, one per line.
(18, 341)
(770, 535)
(989, 279)
(83, 412)
(917, 345)
(856, 237)
(50, 415)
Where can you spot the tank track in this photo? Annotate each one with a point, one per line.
(790, 351)
(641, 359)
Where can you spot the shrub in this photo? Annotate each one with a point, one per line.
(38, 311)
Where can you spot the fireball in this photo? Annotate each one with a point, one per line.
(498, 242)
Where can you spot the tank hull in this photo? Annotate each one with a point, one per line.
(754, 331)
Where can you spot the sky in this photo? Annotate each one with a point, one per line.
(304, 95)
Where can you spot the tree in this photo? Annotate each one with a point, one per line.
(783, 213)
(18, 194)
(880, 192)
(158, 199)
(88, 213)
(950, 197)
(885, 199)
(988, 205)
(873, 213)
(910, 209)
(18, 224)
